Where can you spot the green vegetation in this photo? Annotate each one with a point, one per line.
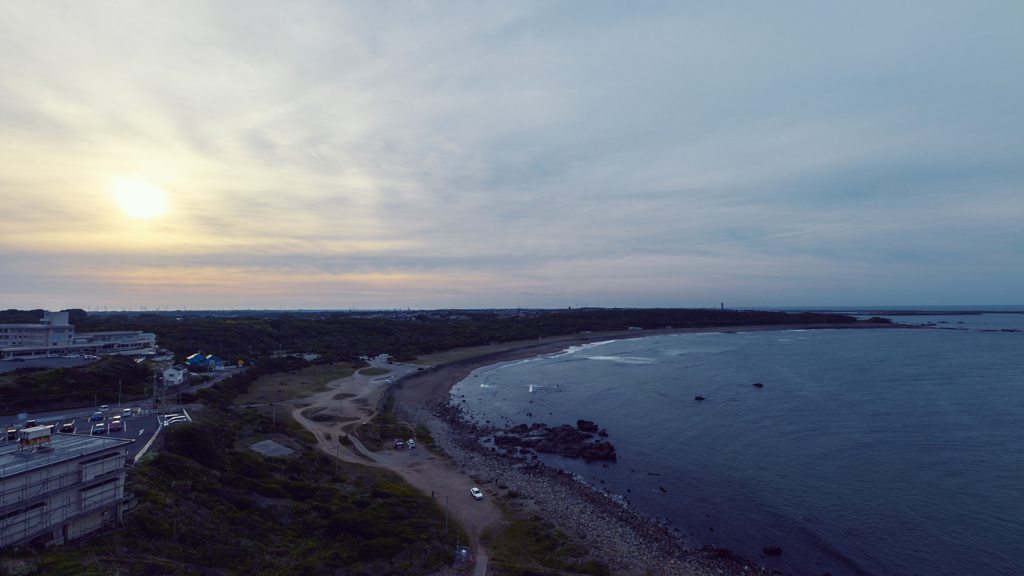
(384, 428)
(208, 505)
(340, 336)
(13, 316)
(29, 389)
(374, 371)
(534, 547)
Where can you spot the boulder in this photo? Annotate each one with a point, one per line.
(586, 426)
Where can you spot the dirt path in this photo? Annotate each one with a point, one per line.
(429, 473)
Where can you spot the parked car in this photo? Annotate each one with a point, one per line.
(99, 429)
(68, 428)
(30, 424)
(12, 434)
(476, 493)
(116, 426)
(399, 445)
(411, 443)
(17, 359)
(96, 416)
(73, 356)
(104, 408)
(127, 412)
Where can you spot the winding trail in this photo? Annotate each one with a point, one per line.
(427, 472)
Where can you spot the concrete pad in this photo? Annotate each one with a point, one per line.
(271, 448)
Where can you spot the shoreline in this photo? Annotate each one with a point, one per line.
(616, 534)
(437, 381)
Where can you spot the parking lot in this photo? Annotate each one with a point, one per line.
(138, 428)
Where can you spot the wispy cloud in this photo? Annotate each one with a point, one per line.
(526, 154)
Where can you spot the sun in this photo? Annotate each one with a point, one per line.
(140, 199)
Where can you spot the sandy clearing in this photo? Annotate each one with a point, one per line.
(429, 473)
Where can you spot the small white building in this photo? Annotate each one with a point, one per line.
(382, 358)
(175, 375)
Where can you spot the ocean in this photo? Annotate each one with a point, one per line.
(866, 452)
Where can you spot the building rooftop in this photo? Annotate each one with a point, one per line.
(62, 447)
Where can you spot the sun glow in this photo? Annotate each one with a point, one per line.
(140, 199)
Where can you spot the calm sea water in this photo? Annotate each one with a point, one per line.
(881, 452)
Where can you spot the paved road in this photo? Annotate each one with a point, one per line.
(220, 376)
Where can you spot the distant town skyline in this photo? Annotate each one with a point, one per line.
(490, 155)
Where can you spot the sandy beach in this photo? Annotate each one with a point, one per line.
(436, 381)
(616, 535)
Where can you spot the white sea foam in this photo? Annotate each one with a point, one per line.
(623, 359)
(575, 349)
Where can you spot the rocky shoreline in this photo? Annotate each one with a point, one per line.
(615, 534)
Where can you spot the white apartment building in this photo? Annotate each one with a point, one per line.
(56, 336)
(62, 488)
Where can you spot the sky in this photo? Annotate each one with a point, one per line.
(510, 154)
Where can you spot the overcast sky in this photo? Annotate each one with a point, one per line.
(550, 154)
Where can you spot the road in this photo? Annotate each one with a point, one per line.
(422, 469)
(220, 376)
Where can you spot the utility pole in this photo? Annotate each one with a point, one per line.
(337, 458)
(274, 423)
(118, 393)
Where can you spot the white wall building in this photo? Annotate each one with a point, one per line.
(56, 336)
(175, 375)
(62, 488)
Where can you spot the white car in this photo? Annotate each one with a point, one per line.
(476, 493)
(411, 443)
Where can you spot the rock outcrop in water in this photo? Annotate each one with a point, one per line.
(564, 440)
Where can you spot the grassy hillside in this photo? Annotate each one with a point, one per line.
(29, 389)
(207, 504)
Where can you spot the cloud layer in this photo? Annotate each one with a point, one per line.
(366, 155)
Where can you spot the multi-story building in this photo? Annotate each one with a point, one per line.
(56, 336)
(62, 488)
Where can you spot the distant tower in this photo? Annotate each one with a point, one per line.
(723, 305)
